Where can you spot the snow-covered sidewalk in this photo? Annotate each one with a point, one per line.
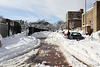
(87, 50)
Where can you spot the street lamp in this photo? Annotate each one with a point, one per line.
(85, 16)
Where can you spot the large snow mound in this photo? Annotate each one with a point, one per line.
(16, 45)
(55, 38)
(43, 34)
(96, 35)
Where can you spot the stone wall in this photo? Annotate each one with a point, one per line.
(89, 17)
(96, 16)
(92, 17)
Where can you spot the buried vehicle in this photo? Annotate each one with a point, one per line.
(76, 35)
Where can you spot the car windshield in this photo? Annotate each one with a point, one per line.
(76, 34)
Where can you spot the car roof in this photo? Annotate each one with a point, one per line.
(75, 32)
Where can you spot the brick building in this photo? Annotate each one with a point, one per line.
(73, 19)
(92, 18)
(76, 19)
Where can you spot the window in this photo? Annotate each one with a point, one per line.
(78, 15)
(71, 16)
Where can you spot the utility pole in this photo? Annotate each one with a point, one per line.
(85, 17)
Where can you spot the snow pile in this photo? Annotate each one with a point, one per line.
(96, 35)
(17, 45)
(55, 38)
(43, 34)
(86, 50)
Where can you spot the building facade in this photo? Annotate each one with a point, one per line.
(92, 18)
(73, 19)
(9, 27)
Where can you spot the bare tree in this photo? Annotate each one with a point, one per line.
(60, 25)
(71, 25)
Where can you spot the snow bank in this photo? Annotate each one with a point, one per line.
(96, 35)
(54, 38)
(86, 50)
(17, 45)
(43, 34)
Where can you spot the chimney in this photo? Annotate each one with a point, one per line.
(81, 10)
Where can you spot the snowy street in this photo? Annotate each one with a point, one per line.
(50, 33)
(50, 55)
(21, 50)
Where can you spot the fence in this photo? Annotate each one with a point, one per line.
(3, 30)
(12, 29)
(33, 29)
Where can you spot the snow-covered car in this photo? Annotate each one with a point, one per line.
(76, 35)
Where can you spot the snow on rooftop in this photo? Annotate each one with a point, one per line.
(90, 9)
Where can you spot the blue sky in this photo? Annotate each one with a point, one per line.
(33, 10)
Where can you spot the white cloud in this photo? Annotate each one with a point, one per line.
(90, 3)
(44, 8)
(30, 18)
